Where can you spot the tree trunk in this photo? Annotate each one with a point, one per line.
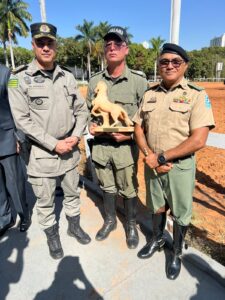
(89, 65)
(5, 55)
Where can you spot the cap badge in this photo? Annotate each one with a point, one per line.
(44, 28)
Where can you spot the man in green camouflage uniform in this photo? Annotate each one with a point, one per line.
(115, 154)
(48, 108)
(172, 123)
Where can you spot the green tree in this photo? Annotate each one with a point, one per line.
(13, 16)
(88, 36)
(156, 45)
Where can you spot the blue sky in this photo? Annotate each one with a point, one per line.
(200, 21)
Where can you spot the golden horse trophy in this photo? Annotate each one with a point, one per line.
(113, 115)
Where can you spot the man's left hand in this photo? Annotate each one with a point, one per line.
(120, 137)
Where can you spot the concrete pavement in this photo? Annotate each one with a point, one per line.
(216, 140)
(101, 270)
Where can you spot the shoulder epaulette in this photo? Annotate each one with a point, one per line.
(196, 87)
(153, 85)
(66, 68)
(19, 69)
(98, 73)
(137, 72)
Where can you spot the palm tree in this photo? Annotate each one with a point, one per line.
(13, 14)
(156, 45)
(88, 36)
(101, 31)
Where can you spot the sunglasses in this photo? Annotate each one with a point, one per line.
(163, 63)
(115, 45)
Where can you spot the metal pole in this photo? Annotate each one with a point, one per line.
(175, 21)
(43, 10)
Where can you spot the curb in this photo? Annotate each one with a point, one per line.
(193, 256)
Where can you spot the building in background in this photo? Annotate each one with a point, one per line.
(218, 41)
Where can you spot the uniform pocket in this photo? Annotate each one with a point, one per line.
(39, 98)
(46, 162)
(180, 107)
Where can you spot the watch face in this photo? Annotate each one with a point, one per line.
(161, 159)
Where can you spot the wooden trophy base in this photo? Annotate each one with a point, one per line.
(114, 129)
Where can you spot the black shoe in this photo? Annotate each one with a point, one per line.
(53, 241)
(104, 232)
(150, 248)
(132, 238)
(25, 224)
(76, 231)
(4, 229)
(174, 266)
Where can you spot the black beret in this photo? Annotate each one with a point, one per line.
(117, 31)
(39, 30)
(173, 48)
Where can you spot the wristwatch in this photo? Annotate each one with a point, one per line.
(161, 159)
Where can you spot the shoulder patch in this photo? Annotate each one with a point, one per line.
(137, 72)
(19, 69)
(196, 87)
(13, 81)
(98, 73)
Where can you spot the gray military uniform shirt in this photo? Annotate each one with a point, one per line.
(47, 108)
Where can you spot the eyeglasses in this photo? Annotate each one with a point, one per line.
(163, 63)
(115, 45)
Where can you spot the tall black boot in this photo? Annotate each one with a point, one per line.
(174, 265)
(53, 240)
(157, 242)
(76, 231)
(109, 202)
(132, 238)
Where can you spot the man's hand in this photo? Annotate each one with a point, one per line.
(120, 137)
(62, 147)
(151, 160)
(17, 148)
(92, 129)
(72, 140)
(164, 168)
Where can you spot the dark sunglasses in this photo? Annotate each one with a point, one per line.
(116, 45)
(175, 62)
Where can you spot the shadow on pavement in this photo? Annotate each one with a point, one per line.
(12, 243)
(70, 282)
(203, 290)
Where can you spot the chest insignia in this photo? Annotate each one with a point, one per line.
(39, 79)
(27, 80)
(39, 101)
(182, 99)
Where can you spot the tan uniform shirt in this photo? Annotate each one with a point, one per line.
(47, 108)
(168, 117)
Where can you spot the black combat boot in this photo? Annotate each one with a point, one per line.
(76, 231)
(157, 242)
(25, 220)
(53, 240)
(174, 265)
(109, 202)
(132, 238)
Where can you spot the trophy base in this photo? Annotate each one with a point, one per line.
(114, 129)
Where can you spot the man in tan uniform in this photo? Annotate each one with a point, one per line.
(171, 125)
(48, 108)
(115, 154)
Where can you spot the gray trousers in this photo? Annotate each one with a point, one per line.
(44, 190)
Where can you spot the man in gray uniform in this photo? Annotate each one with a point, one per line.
(48, 108)
(12, 180)
(115, 154)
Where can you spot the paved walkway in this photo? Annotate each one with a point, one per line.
(101, 270)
